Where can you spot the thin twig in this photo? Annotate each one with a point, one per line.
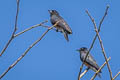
(101, 21)
(30, 28)
(47, 27)
(11, 66)
(99, 69)
(82, 74)
(105, 14)
(101, 44)
(116, 75)
(52, 29)
(15, 28)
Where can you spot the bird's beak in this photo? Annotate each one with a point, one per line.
(50, 11)
(77, 50)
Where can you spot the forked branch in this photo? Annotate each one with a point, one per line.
(116, 75)
(94, 39)
(26, 51)
(100, 69)
(15, 28)
(101, 44)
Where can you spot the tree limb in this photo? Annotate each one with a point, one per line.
(101, 21)
(15, 28)
(82, 74)
(30, 28)
(116, 75)
(26, 51)
(99, 69)
(101, 44)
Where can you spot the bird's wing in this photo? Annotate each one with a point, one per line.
(62, 23)
(90, 60)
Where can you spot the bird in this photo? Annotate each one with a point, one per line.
(90, 61)
(62, 25)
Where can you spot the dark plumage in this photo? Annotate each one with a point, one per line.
(89, 62)
(62, 25)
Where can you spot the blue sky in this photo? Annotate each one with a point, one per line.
(53, 57)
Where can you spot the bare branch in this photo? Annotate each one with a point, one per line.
(15, 35)
(15, 28)
(30, 28)
(11, 66)
(101, 44)
(101, 21)
(116, 75)
(82, 74)
(52, 29)
(100, 69)
(81, 67)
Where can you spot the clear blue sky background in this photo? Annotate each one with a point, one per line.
(53, 58)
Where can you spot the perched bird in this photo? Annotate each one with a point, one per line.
(89, 62)
(62, 25)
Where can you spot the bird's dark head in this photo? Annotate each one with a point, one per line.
(53, 12)
(82, 49)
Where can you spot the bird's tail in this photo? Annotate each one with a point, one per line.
(65, 35)
(97, 73)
